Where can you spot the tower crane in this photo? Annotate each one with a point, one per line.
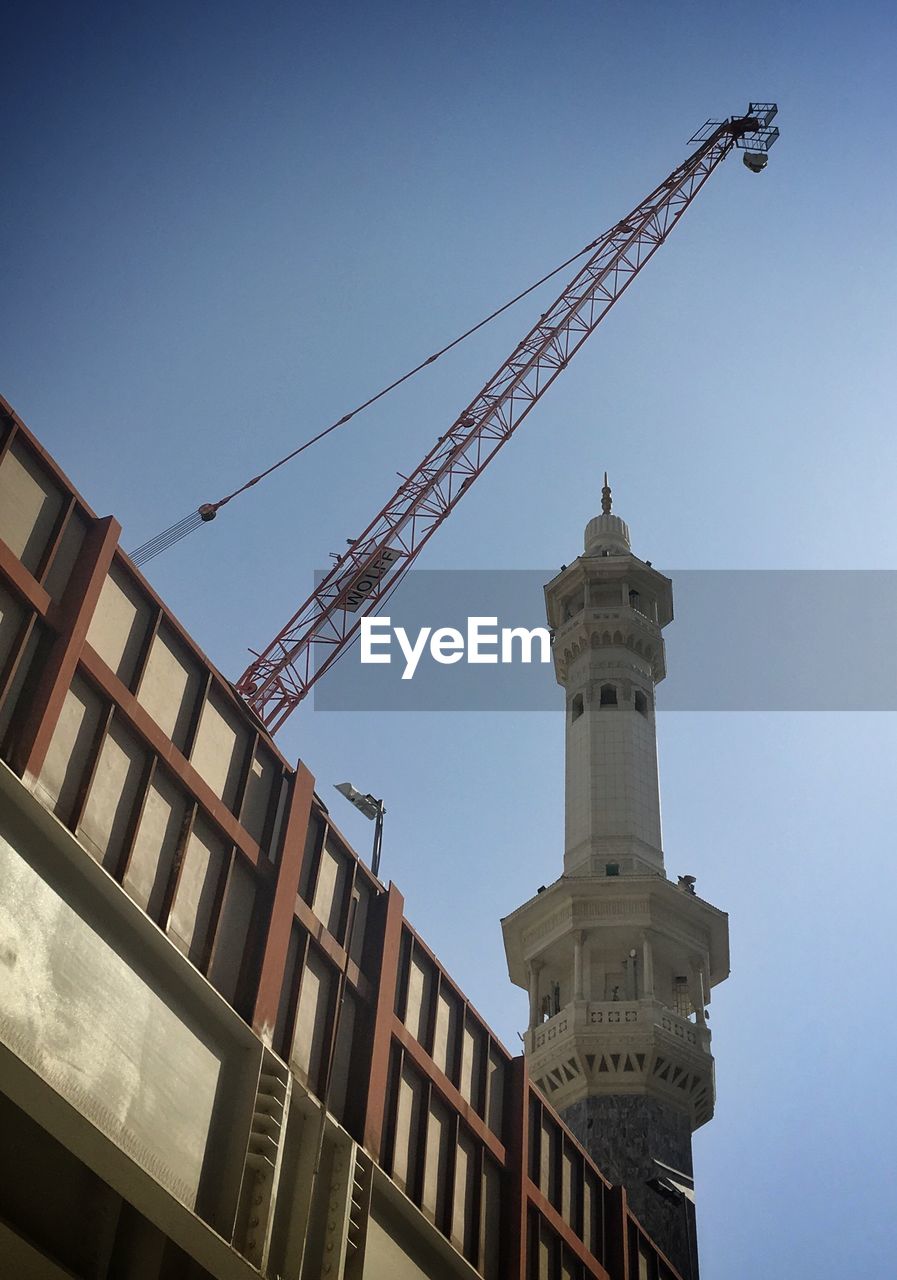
(324, 626)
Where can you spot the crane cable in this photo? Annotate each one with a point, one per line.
(207, 512)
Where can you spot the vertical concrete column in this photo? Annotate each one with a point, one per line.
(70, 619)
(647, 967)
(514, 1201)
(535, 968)
(630, 968)
(392, 908)
(697, 988)
(282, 909)
(586, 965)
(616, 1227)
(577, 965)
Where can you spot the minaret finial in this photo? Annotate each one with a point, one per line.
(606, 502)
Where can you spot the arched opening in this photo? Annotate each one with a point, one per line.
(608, 695)
(641, 702)
(576, 707)
(681, 999)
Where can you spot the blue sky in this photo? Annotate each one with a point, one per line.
(224, 225)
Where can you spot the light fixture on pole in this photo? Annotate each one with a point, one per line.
(371, 808)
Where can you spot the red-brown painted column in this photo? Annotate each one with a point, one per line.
(514, 1215)
(616, 1226)
(70, 620)
(283, 906)
(12, 569)
(381, 1037)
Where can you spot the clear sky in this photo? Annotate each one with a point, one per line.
(225, 224)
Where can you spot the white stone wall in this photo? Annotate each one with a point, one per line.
(612, 800)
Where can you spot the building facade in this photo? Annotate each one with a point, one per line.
(618, 960)
(224, 1051)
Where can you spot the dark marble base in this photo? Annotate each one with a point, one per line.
(624, 1135)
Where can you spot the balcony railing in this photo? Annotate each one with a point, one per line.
(611, 1015)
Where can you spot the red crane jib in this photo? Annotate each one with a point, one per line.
(325, 625)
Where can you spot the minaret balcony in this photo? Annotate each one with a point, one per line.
(593, 629)
(599, 1016)
(629, 1046)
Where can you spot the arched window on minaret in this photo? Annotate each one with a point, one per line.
(635, 601)
(608, 695)
(641, 702)
(681, 998)
(576, 707)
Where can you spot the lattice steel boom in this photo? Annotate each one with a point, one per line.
(318, 633)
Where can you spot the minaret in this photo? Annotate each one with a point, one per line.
(619, 960)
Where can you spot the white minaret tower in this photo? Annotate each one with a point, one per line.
(607, 611)
(618, 960)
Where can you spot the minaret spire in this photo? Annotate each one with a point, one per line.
(606, 500)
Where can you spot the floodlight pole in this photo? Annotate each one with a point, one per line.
(378, 837)
(371, 807)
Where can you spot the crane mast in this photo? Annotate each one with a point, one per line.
(324, 626)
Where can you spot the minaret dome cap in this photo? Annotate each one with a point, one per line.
(607, 534)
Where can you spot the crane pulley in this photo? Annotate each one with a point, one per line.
(324, 626)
